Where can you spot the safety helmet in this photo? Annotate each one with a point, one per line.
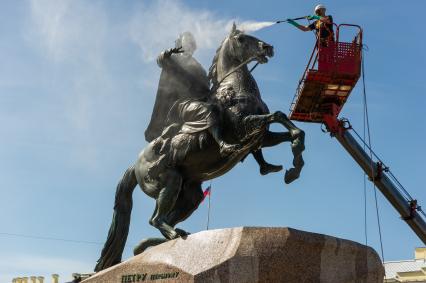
(319, 6)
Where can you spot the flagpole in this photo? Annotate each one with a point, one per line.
(208, 209)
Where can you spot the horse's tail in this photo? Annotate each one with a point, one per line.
(119, 229)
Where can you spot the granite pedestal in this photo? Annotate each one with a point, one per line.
(250, 254)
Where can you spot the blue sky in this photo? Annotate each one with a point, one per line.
(77, 85)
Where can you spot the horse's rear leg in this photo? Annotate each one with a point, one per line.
(188, 201)
(149, 242)
(165, 203)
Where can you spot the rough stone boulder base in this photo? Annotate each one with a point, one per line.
(249, 254)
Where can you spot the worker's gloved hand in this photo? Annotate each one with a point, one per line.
(314, 17)
(291, 22)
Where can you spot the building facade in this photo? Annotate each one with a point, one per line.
(407, 270)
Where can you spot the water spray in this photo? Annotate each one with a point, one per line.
(251, 26)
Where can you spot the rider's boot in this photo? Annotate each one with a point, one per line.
(265, 167)
(225, 148)
(270, 168)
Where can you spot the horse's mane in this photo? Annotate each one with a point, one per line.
(213, 68)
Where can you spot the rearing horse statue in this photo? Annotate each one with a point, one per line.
(245, 121)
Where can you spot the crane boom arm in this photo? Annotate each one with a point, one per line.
(378, 174)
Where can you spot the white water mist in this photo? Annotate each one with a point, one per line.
(251, 26)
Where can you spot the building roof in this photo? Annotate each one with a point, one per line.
(392, 267)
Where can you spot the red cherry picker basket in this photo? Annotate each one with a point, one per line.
(332, 72)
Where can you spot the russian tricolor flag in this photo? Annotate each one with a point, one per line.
(207, 192)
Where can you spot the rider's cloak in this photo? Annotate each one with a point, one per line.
(183, 80)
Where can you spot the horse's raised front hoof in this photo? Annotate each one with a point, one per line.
(291, 175)
(147, 243)
(270, 168)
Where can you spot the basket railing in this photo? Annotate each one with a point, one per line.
(335, 49)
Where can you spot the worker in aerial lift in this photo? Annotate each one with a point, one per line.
(323, 25)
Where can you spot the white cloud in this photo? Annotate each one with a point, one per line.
(49, 20)
(72, 38)
(69, 30)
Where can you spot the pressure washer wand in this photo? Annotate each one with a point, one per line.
(295, 19)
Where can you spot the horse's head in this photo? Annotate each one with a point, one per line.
(244, 47)
(238, 48)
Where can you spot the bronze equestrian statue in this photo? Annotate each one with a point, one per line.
(201, 127)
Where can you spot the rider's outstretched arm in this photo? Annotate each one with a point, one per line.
(164, 57)
(164, 60)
